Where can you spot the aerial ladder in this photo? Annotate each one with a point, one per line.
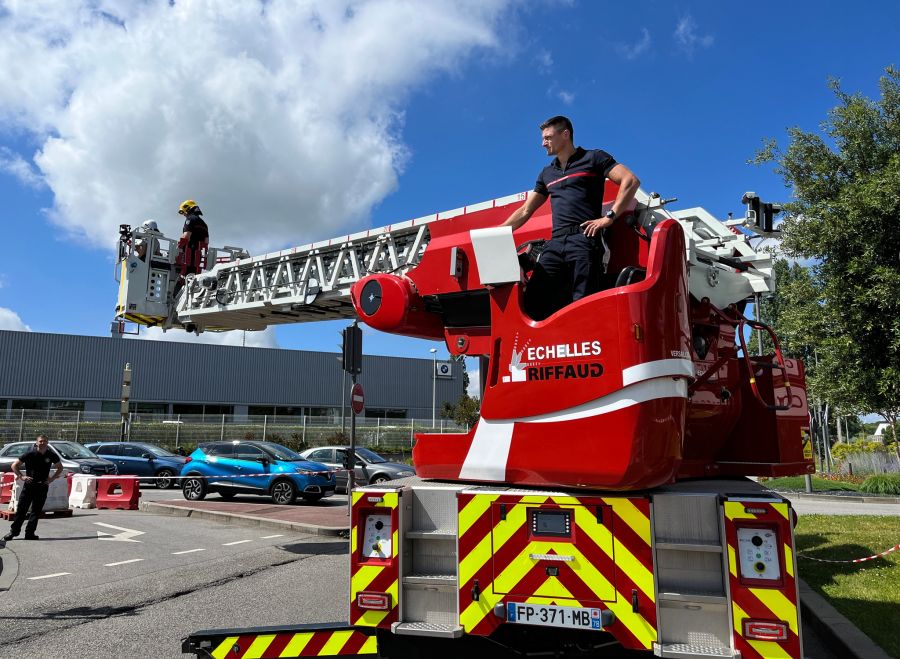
(602, 501)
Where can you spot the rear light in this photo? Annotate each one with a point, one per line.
(762, 630)
(188, 459)
(374, 601)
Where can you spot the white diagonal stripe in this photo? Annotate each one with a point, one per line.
(49, 576)
(186, 551)
(133, 560)
(486, 459)
(658, 369)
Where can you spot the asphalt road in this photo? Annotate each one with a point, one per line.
(145, 581)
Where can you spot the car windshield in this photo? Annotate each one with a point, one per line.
(156, 450)
(72, 451)
(369, 456)
(280, 452)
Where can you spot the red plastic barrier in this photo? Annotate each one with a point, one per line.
(116, 493)
(6, 481)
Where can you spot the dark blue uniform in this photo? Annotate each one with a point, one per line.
(33, 494)
(571, 264)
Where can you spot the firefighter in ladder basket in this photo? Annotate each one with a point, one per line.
(193, 243)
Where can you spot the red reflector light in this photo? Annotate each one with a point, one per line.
(374, 601)
(762, 630)
(188, 459)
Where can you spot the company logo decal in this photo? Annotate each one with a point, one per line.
(559, 361)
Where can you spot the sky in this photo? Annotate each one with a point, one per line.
(291, 122)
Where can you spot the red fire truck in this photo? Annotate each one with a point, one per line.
(602, 503)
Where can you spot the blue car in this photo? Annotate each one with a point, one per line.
(246, 467)
(140, 459)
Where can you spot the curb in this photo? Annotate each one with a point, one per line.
(238, 519)
(837, 497)
(9, 568)
(835, 629)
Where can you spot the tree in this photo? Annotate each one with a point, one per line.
(465, 412)
(845, 219)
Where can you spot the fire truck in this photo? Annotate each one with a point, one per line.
(603, 501)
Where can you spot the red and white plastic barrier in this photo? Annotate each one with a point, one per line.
(118, 492)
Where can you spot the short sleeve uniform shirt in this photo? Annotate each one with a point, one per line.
(37, 464)
(576, 190)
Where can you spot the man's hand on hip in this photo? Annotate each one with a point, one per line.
(592, 227)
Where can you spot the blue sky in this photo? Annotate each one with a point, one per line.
(293, 125)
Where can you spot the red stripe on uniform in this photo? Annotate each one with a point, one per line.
(575, 175)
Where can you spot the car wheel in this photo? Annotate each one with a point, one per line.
(194, 488)
(226, 494)
(380, 478)
(284, 492)
(164, 479)
(312, 498)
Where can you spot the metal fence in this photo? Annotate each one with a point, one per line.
(187, 430)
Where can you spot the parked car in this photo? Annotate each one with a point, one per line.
(140, 459)
(75, 457)
(246, 467)
(370, 467)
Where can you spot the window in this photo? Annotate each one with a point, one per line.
(249, 452)
(106, 449)
(29, 405)
(220, 449)
(321, 455)
(132, 451)
(218, 409)
(380, 413)
(260, 410)
(16, 450)
(181, 408)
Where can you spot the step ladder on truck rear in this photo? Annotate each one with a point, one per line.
(602, 503)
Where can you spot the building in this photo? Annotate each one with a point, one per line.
(65, 372)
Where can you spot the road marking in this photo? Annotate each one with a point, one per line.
(268, 537)
(49, 576)
(236, 542)
(124, 535)
(133, 560)
(186, 551)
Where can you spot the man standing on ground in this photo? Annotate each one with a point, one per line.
(572, 261)
(35, 484)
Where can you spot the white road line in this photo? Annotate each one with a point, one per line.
(186, 551)
(236, 542)
(133, 560)
(268, 537)
(49, 576)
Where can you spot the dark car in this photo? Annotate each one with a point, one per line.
(246, 467)
(370, 467)
(140, 459)
(75, 457)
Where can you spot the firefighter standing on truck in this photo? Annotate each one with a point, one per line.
(572, 262)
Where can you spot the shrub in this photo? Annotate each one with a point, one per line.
(882, 484)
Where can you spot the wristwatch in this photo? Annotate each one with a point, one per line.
(611, 214)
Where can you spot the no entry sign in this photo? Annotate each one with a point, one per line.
(357, 399)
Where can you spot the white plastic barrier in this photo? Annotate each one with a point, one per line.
(84, 492)
(57, 496)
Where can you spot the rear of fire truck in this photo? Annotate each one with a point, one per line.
(601, 505)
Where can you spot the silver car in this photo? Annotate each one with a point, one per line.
(75, 458)
(370, 467)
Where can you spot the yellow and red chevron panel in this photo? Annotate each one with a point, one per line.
(328, 640)
(374, 558)
(603, 559)
(761, 566)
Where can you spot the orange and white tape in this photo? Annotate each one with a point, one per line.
(854, 560)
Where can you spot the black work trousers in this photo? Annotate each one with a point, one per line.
(568, 269)
(30, 504)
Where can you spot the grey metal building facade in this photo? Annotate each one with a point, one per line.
(60, 371)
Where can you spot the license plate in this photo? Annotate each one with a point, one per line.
(549, 615)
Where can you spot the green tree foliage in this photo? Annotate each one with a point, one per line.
(464, 412)
(845, 221)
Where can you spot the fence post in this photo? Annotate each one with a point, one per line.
(378, 431)
(77, 423)
(222, 431)
(177, 430)
(303, 436)
(265, 425)
(412, 423)
(21, 423)
(442, 426)
(128, 436)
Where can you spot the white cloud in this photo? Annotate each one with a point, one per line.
(544, 60)
(687, 38)
(633, 51)
(566, 97)
(9, 320)
(14, 164)
(282, 119)
(263, 339)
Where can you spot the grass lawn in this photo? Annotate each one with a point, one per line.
(798, 483)
(866, 593)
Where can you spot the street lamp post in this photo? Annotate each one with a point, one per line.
(433, 352)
